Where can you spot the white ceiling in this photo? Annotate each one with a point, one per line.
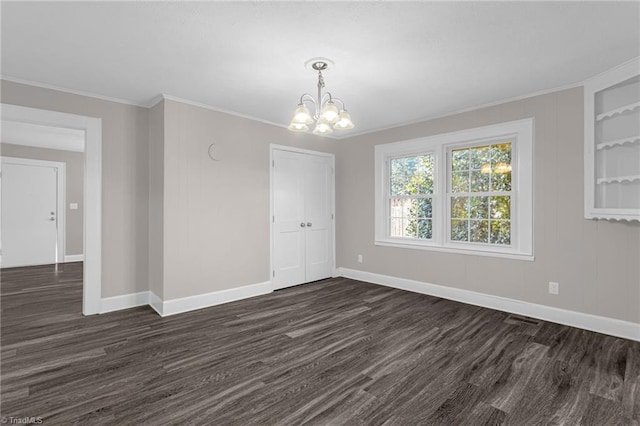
(395, 62)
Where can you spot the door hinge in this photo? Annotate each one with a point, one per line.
(331, 216)
(273, 163)
(274, 274)
(273, 219)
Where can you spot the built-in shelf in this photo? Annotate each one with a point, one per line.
(618, 179)
(612, 145)
(624, 141)
(621, 110)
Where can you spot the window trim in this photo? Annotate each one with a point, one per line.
(520, 133)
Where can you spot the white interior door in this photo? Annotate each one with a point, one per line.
(318, 208)
(29, 214)
(288, 219)
(302, 206)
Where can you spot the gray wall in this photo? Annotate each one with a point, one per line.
(208, 227)
(125, 180)
(74, 187)
(156, 199)
(216, 216)
(596, 262)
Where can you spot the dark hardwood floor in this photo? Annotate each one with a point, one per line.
(328, 353)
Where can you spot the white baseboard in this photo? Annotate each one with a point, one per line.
(611, 326)
(116, 303)
(185, 304)
(74, 258)
(155, 302)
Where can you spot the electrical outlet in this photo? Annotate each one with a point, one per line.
(360, 258)
(554, 288)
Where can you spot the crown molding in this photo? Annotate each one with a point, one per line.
(216, 109)
(153, 102)
(71, 91)
(464, 110)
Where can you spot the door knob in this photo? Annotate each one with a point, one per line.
(302, 225)
(309, 224)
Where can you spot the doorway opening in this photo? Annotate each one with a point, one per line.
(90, 129)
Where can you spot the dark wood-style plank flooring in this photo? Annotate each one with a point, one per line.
(333, 352)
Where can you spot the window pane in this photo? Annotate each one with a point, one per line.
(396, 227)
(424, 208)
(425, 229)
(500, 207)
(460, 159)
(460, 182)
(501, 167)
(501, 181)
(412, 175)
(480, 156)
(459, 207)
(479, 207)
(479, 181)
(479, 231)
(410, 217)
(501, 153)
(501, 232)
(460, 230)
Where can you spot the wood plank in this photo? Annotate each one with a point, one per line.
(333, 352)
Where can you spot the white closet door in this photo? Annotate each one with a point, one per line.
(318, 206)
(29, 215)
(302, 196)
(288, 217)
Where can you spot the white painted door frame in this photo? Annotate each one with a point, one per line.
(272, 148)
(92, 286)
(60, 196)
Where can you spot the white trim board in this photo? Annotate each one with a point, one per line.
(611, 326)
(74, 258)
(185, 304)
(200, 301)
(125, 301)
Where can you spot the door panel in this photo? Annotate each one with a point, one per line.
(318, 209)
(288, 214)
(303, 223)
(29, 215)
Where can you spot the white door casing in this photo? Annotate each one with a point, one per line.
(32, 213)
(302, 231)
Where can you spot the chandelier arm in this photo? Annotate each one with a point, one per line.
(310, 98)
(306, 97)
(326, 97)
(341, 102)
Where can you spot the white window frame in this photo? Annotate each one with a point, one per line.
(519, 132)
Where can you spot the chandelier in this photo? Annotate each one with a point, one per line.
(326, 115)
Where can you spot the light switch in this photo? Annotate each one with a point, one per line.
(73, 206)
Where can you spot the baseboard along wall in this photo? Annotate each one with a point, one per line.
(73, 258)
(177, 306)
(611, 326)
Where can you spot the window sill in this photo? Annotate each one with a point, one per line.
(471, 252)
